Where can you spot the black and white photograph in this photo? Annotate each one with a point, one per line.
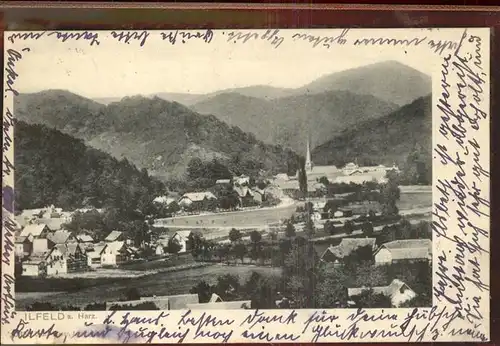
(224, 190)
(224, 170)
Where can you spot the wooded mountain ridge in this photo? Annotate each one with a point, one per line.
(58, 169)
(387, 140)
(159, 135)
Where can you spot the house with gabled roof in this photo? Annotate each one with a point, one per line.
(115, 236)
(398, 291)
(245, 195)
(181, 237)
(216, 303)
(197, 200)
(175, 302)
(50, 263)
(61, 237)
(336, 254)
(232, 305)
(36, 230)
(407, 250)
(54, 224)
(76, 259)
(115, 253)
(23, 246)
(84, 238)
(94, 255)
(165, 200)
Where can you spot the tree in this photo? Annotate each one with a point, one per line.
(195, 244)
(262, 291)
(348, 227)
(388, 234)
(302, 178)
(173, 246)
(255, 237)
(309, 228)
(403, 230)
(358, 257)
(195, 168)
(309, 208)
(234, 235)
(324, 181)
(389, 194)
(367, 229)
(422, 231)
(132, 294)
(332, 292)
(203, 290)
(173, 207)
(369, 299)
(228, 198)
(223, 252)
(371, 215)
(261, 184)
(300, 270)
(240, 250)
(273, 235)
(290, 230)
(329, 228)
(228, 286)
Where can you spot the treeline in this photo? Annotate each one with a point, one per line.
(128, 295)
(306, 282)
(403, 137)
(53, 168)
(153, 133)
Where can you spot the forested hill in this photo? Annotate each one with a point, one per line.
(152, 133)
(55, 168)
(401, 137)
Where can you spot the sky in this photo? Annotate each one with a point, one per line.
(116, 69)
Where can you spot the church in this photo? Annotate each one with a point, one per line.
(350, 173)
(314, 173)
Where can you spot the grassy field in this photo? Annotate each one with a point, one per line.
(158, 284)
(409, 200)
(245, 219)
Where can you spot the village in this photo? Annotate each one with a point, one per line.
(344, 214)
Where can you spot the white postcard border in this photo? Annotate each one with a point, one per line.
(460, 254)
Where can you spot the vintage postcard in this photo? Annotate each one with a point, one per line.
(220, 186)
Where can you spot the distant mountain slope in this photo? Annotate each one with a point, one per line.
(257, 91)
(55, 168)
(390, 81)
(383, 141)
(287, 121)
(62, 110)
(152, 133)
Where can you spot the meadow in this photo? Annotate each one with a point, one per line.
(171, 283)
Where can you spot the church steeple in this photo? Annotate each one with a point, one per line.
(308, 165)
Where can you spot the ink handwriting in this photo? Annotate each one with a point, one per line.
(415, 41)
(9, 228)
(185, 36)
(8, 300)
(64, 36)
(128, 36)
(272, 36)
(461, 197)
(13, 56)
(23, 331)
(204, 322)
(26, 36)
(325, 41)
